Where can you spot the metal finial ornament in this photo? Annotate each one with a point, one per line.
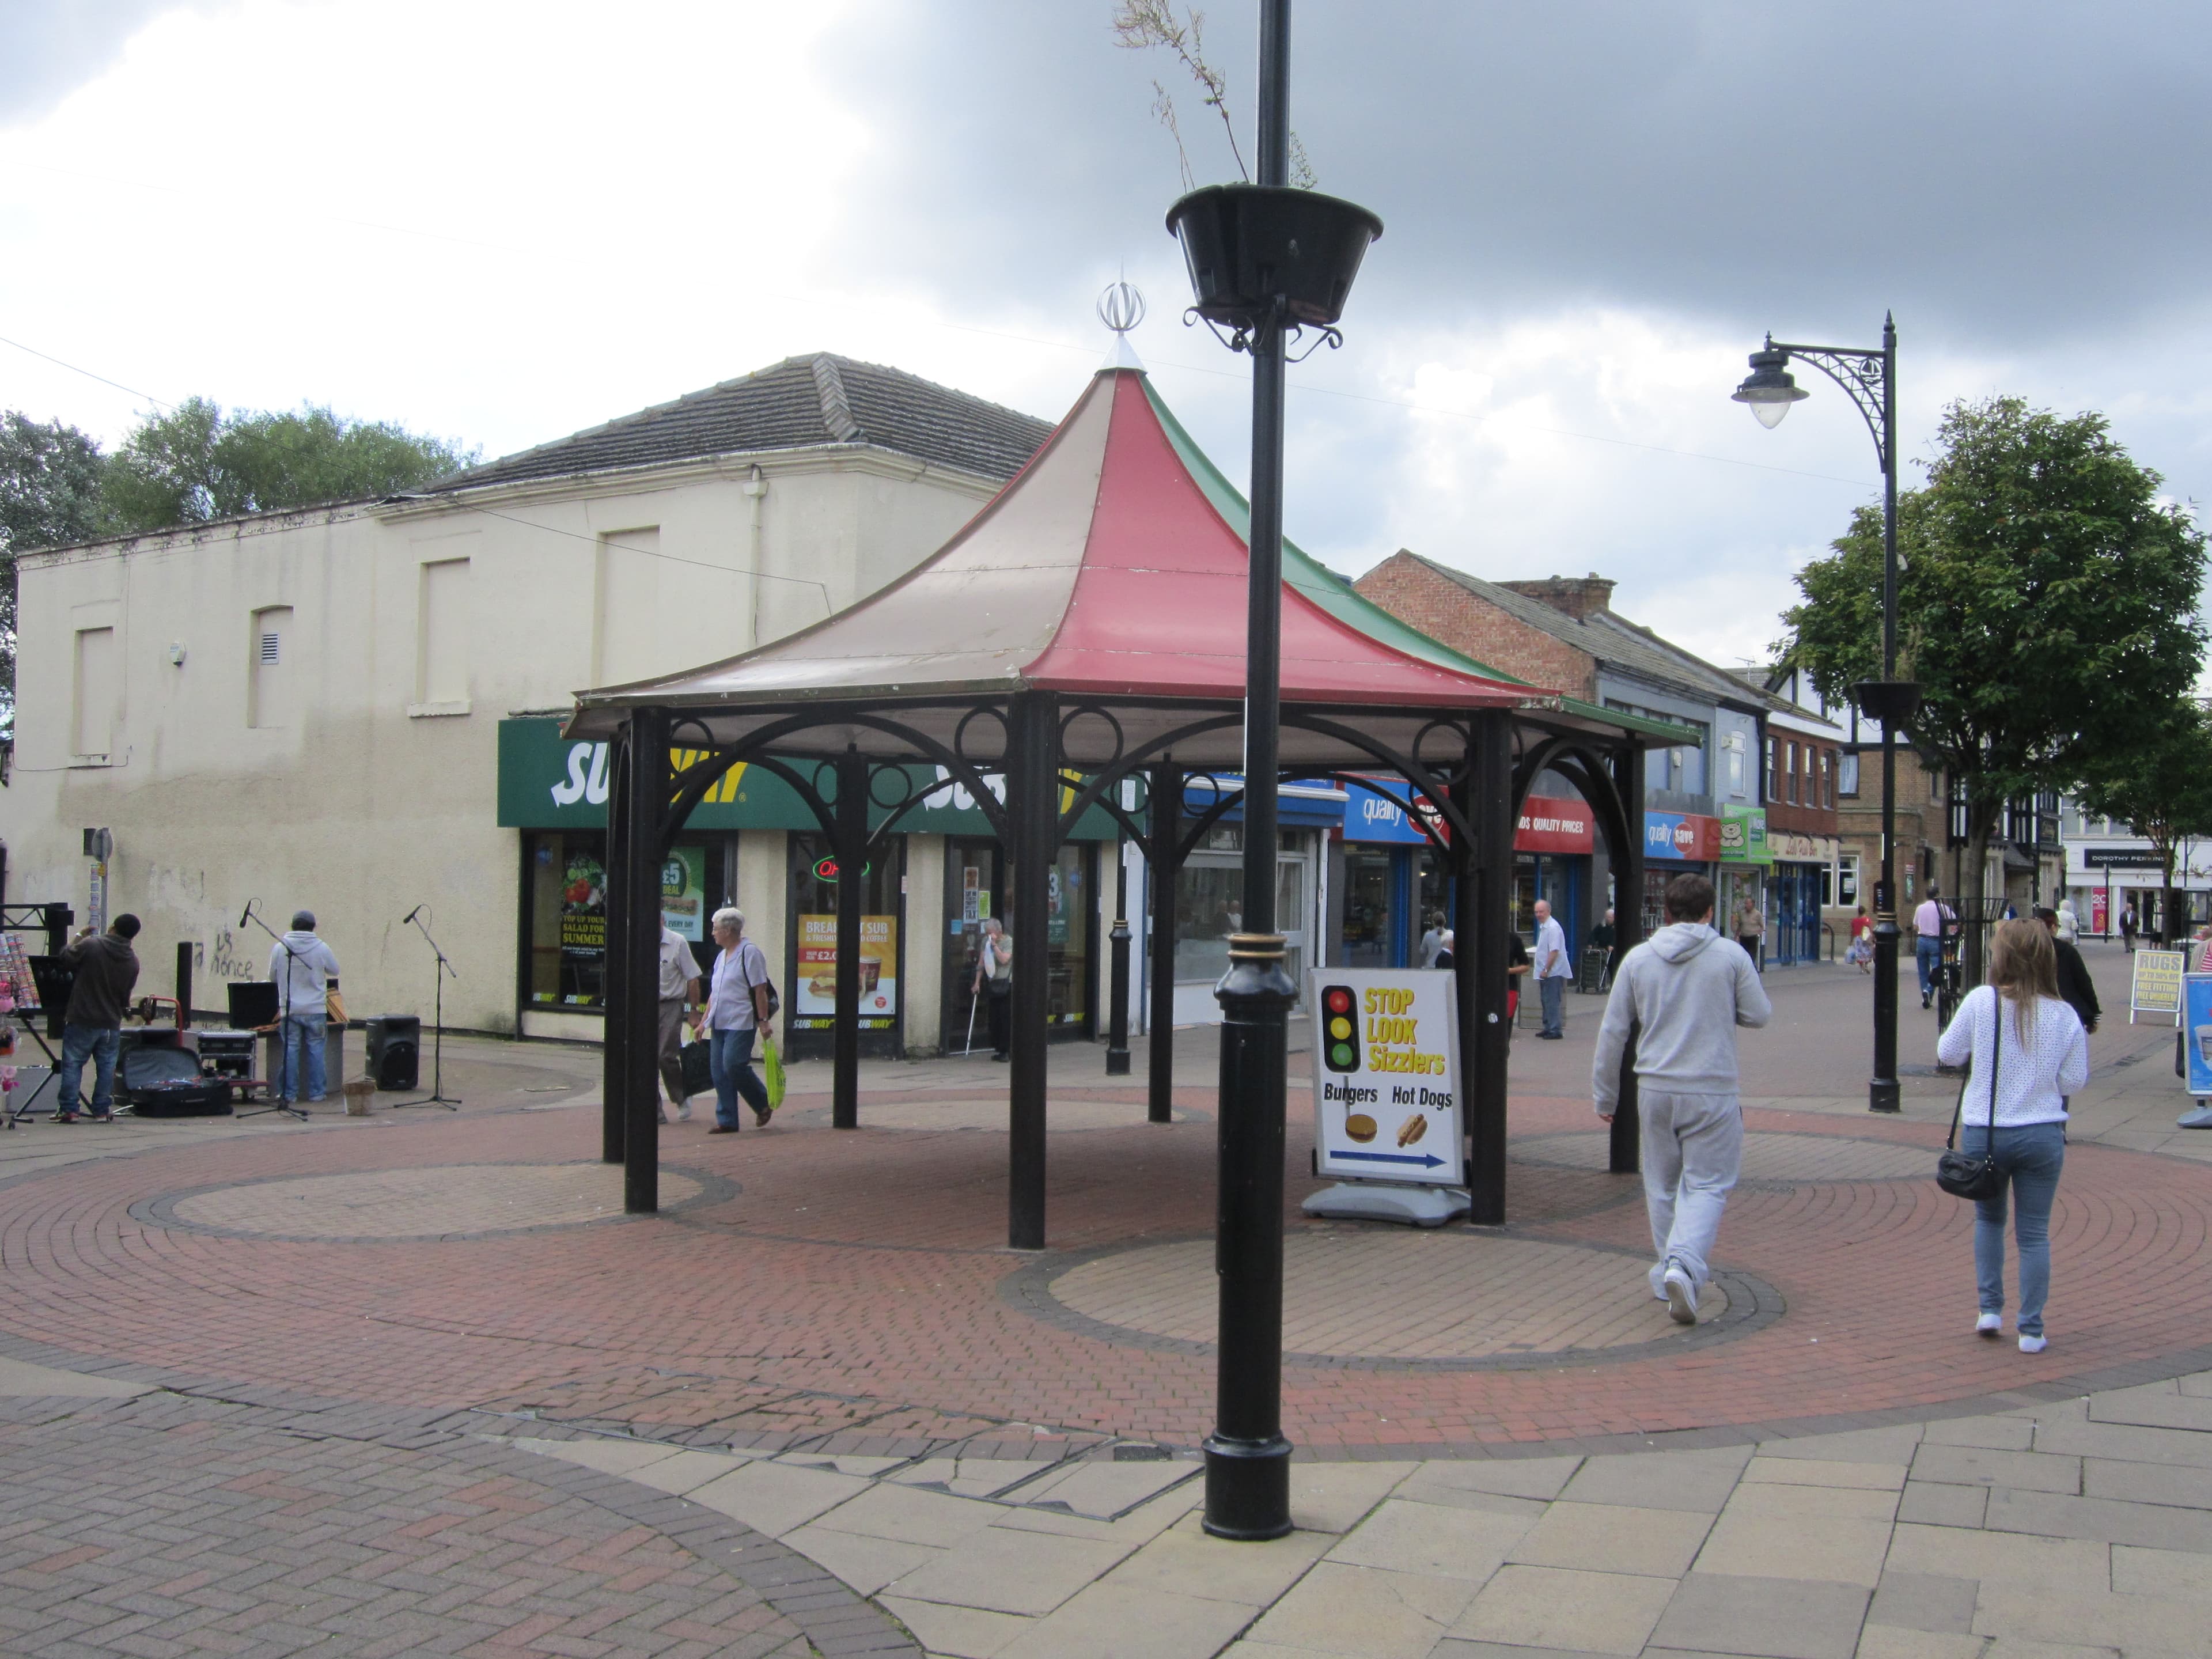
(1120, 308)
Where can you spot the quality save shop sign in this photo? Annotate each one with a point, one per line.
(1386, 1088)
(1689, 835)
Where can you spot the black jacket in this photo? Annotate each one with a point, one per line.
(2074, 988)
(106, 968)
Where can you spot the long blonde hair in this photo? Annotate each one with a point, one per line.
(2023, 966)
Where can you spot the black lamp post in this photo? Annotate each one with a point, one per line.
(1117, 1002)
(1870, 378)
(1264, 259)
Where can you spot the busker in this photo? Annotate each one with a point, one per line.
(994, 978)
(679, 994)
(2022, 1038)
(736, 1012)
(1553, 971)
(305, 972)
(1687, 989)
(92, 1025)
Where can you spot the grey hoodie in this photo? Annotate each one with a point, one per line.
(1687, 989)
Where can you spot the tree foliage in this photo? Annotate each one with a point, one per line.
(2047, 604)
(196, 463)
(2161, 786)
(50, 480)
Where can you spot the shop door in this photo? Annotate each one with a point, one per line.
(974, 893)
(1372, 928)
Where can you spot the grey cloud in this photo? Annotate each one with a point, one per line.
(2004, 173)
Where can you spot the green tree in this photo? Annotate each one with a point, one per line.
(50, 482)
(2160, 786)
(196, 463)
(2046, 599)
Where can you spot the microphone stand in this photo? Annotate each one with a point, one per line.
(437, 1096)
(276, 1101)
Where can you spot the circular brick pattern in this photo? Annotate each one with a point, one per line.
(1782, 1159)
(438, 1201)
(1395, 1297)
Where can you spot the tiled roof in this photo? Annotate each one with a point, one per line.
(1612, 640)
(796, 403)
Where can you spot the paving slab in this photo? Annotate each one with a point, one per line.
(1003, 1570)
(1997, 1433)
(1611, 1538)
(1101, 1622)
(1364, 1612)
(1332, 1497)
(2109, 1521)
(1184, 1561)
(1897, 1641)
(955, 1632)
(1827, 1549)
(1558, 1607)
(866, 1563)
(1939, 1505)
(1695, 1481)
(1431, 1540)
(884, 1510)
(2011, 1559)
(1978, 1466)
(1770, 1618)
(1867, 1474)
(774, 1498)
(1925, 1601)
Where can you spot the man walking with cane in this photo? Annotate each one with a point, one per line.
(1686, 989)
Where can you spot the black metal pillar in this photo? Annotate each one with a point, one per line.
(1482, 921)
(1625, 1150)
(851, 850)
(1162, 865)
(1883, 1092)
(1033, 804)
(1248, 1460)
(614, 1073)
(1117, 1026)
(640, 959)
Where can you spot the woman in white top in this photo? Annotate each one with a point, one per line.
(736, 1012)
(2016, 1028)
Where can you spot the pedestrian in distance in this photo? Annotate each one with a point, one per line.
(92, 1024)
(1751, 932)
(1686, 990)
(994, 979)
(2129, 924)
(2069, 922)
(2075, 988)
(1553, 971)
(305, 972)
(1447, 957)
(2028, 1054)
(740, 1007)
(679, 995)
(1604, 938)
(1862, 945)
(1432, 939)
(1929, 922)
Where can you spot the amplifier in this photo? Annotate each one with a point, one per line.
(394, 1041)
(226, 1054)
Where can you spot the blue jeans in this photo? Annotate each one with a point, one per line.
(2031, 1158)
(730, 1062)
(1927, 956)
(97, 1043)
(1552, 991)
(307, 1030)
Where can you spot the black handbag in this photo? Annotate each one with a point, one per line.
(1975, 1175)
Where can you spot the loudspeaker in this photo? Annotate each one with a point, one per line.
(394, 1042)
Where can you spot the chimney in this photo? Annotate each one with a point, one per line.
(1578, 596)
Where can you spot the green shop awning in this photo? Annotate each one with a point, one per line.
(547, 781)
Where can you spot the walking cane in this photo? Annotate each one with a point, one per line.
(975, 996)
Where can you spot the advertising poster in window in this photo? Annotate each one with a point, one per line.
(817, 984)
(683, 891)
(584, 909)
(1386, 1088)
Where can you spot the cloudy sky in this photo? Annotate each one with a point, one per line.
(501, 223)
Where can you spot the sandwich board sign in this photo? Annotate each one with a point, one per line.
(1387, 1076)
(2155, 985)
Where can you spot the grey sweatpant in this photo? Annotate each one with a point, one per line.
(1692, 1153)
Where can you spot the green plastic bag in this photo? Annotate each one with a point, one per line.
(772, 1072)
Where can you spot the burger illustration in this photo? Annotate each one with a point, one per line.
(1360, 1127)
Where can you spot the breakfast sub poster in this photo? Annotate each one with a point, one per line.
(817, 982)
(1386, 1075)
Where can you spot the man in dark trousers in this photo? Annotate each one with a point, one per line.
(92, 1026)
(2074, 988)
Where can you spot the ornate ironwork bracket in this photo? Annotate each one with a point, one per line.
(1859, 372)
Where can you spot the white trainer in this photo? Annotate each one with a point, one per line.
(2033, 1345)
(1682, 1295)
(1988, 1324)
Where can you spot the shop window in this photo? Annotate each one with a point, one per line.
(1772, 792)
(815, 881)
(94, 693)
(566, 923)
(1370, 927)
(1827, 778)
(1789, 771)
(270, 701)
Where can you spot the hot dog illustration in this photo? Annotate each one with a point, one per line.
(1413, 1129)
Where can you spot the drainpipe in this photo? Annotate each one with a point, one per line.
(755, 488)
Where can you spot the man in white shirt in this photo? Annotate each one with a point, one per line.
(1553, 971)
(1928, 947)
(679, 992)
(305, 972)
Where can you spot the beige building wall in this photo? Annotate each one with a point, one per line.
(354, 771)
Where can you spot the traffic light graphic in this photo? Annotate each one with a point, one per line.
(1340, 1028)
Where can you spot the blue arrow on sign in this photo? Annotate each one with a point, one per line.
(1429, 1158)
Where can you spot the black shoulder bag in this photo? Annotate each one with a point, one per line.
(1971, 1175)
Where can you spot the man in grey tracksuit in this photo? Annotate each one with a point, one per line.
(1686, 989)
